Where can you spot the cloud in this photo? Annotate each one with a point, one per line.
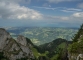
(78, 15)
(28, 1)
(12, 10)
(74, 18)
(71, 10)
(10, 1)
(16, 1)
(63, 9)
(58, 1)
(64, 18)
(56, 19)
(46, 5)
(80, 5)
(49, 8)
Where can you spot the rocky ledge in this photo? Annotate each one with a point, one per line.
(14, 49)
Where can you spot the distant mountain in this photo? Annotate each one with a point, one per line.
(40, 35)
(53, 45)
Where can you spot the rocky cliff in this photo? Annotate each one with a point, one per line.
(14, 49)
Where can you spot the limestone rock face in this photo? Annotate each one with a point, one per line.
(21, 40)
(4, 38)
(14, 49)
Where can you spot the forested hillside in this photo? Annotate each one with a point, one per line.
(55, 50)
(76, 48)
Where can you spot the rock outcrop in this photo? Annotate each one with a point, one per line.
(14, 49)
(4, 38)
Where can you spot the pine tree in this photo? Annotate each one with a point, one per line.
(79, 33)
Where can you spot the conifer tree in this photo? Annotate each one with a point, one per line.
(79, 33)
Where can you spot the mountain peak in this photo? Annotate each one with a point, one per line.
(14, 49)
(4, 38)
(22, 40)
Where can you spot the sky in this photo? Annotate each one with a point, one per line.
(41, 13)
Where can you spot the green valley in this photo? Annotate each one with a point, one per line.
(41, 35)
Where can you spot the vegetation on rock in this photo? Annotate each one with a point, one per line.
(76, 47)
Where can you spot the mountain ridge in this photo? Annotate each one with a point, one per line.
(14, 49)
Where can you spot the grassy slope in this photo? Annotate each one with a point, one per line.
(62, 45)
(37, 54)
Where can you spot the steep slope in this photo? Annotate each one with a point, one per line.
(76, 48)
(52, 45)
(14, 49)
(4, 38)
(55, 50)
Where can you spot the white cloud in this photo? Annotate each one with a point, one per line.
(10, 1)
(78, 15)
(74, 9)
(76, 18)
(63, 9)
(58, 1)
(64, 18)
(16, 1)
(46, 5)
(53, 19)
(45, 8)
(80, 5)
(28, 1)
(12, 10)
(71, 10)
